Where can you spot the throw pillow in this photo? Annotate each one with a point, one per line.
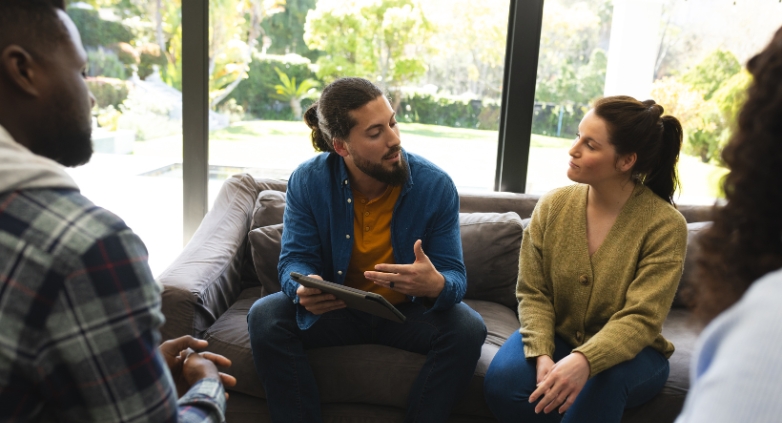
(265, 245)
(269, 208)
(491, 244)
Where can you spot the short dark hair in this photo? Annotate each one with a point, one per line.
(329, 117)
(640, 127)
(32, 24)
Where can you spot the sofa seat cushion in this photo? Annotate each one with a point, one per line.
(369, 374)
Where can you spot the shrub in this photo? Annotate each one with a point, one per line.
(150, 56)
(106, 63)
(447, 111)
(708, 75)
(147, 116)
(256, 93)
(97, 32)
(108, 91)
(545, 119)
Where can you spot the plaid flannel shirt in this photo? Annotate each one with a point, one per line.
(79, 319)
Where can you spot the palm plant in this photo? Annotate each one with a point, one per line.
(287, 90)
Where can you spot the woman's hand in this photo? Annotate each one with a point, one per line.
(562, 384)
(543, 366)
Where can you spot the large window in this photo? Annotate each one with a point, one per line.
(134, 72)
(688, 55)
(440, 63)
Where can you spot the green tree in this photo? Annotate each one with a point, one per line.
(707, 76)
(731, 95)
(592, 76)
(380, 40)
(569, 39)
(286, 29)
(708, 124)
(235, 27)
(287, 90)
(470, 55)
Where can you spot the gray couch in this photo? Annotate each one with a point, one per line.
(210, 287)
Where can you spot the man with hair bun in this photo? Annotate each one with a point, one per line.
(79, 309)
(370, 215)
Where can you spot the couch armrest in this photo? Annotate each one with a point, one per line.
(203, 282)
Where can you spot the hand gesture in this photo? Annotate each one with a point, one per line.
(315, 301)
(177, 351)
(562, 384)
(419, 279)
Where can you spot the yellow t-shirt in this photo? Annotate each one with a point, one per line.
(372, 241)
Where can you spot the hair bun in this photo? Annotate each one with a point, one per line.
(652, 105)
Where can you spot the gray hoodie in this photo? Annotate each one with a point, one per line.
(22, 169)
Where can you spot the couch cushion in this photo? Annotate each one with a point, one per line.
(491, 243)
(359, 373)
(269, 208)
(265, 246)
(693, 231)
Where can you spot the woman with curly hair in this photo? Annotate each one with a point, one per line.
(600, 263)
(736, 374)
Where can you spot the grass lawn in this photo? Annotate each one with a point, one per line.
(468, 155)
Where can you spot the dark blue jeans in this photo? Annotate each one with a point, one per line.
(451, 341)
(511, 379)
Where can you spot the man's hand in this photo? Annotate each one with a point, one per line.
(419, 279)
(562, 384)
(175, 352)
(315, 301)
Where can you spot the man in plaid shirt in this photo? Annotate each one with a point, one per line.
(79, 309)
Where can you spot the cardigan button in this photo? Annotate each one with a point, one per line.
(349, 200)
(347, 236)
(339, 272)
(579, 335)
(584, 280)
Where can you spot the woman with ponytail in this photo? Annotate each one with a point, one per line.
(600, 264)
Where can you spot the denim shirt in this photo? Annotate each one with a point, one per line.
(318, 222)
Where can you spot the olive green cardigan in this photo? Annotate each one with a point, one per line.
(611, 305)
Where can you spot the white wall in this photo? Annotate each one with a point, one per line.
(633, 46)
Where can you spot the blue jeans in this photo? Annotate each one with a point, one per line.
(511, 379)
(451, 340)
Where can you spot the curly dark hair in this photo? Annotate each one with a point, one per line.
(745, 241)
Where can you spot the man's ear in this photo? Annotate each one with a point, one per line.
(340, 147)
(626, 162)
(19, 67)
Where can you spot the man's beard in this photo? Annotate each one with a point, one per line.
(69, 139)
(397, 176)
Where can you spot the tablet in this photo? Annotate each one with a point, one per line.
(368, 302)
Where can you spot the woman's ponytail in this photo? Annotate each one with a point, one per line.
(640, 127)
(663, 179)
